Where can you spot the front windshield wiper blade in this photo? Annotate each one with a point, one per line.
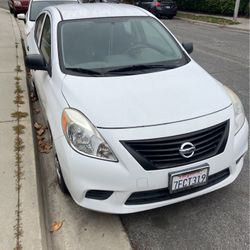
(84, 71)
(141, 67)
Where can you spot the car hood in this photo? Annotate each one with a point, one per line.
(179, 94)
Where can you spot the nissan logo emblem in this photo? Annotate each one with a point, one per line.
(187, 149)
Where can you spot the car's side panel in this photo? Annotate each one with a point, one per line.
(49, 87)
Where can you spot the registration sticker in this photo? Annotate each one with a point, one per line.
(179, 181)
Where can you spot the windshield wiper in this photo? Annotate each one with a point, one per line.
(141, 67)
(85, 71)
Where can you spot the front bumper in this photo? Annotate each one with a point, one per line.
(125, 177)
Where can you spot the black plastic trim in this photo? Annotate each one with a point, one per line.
(98, 194)
(149, 164)
(157, 195)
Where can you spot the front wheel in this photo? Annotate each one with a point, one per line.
(60, 179)
(170, 16)
(33, 92)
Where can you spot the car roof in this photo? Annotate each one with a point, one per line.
(95, 10)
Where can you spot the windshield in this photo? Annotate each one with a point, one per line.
(117, 46)
(37, 7)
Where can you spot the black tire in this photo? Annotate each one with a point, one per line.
(14, 13)
(60, 179)
(11, 10)
(50, 137)
(170, 16)
(33, 92)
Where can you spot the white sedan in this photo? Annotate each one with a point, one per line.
(136, 123)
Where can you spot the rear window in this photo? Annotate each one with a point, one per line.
(37, 7)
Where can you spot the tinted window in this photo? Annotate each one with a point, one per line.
(38, 27)
(37, 7)
(46, 41)
(108, 43)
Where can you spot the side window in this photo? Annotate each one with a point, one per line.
(38, 27)
(45, 44)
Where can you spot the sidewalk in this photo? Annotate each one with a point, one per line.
(19, 217)
(22, 224)
(243, 25)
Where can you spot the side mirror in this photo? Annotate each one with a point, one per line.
(22, 17)
(188, 47)
(35, 62)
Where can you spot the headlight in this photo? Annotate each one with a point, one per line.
(83, 137)
(239, 114)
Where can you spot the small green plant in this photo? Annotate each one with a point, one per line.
(222, 7)
(19, 115)
(17, 78)
(19, 130)
(18, 68)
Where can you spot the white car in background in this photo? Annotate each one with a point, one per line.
(35, 7)
(136, 123)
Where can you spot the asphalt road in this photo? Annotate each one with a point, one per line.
(219, 220)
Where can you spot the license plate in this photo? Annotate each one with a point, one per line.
(167, 7)
(187, 179)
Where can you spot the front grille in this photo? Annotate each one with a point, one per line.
(162, 153)
(163, 194)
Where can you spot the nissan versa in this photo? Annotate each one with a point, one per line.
(136, 123)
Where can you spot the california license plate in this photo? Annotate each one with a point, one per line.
(187, 179)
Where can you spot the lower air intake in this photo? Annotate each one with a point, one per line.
(157, 195)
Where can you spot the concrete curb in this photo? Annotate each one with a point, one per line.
(32, 224)
(90, 230)
(232, 27)
(26, 233)
(212, 24)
